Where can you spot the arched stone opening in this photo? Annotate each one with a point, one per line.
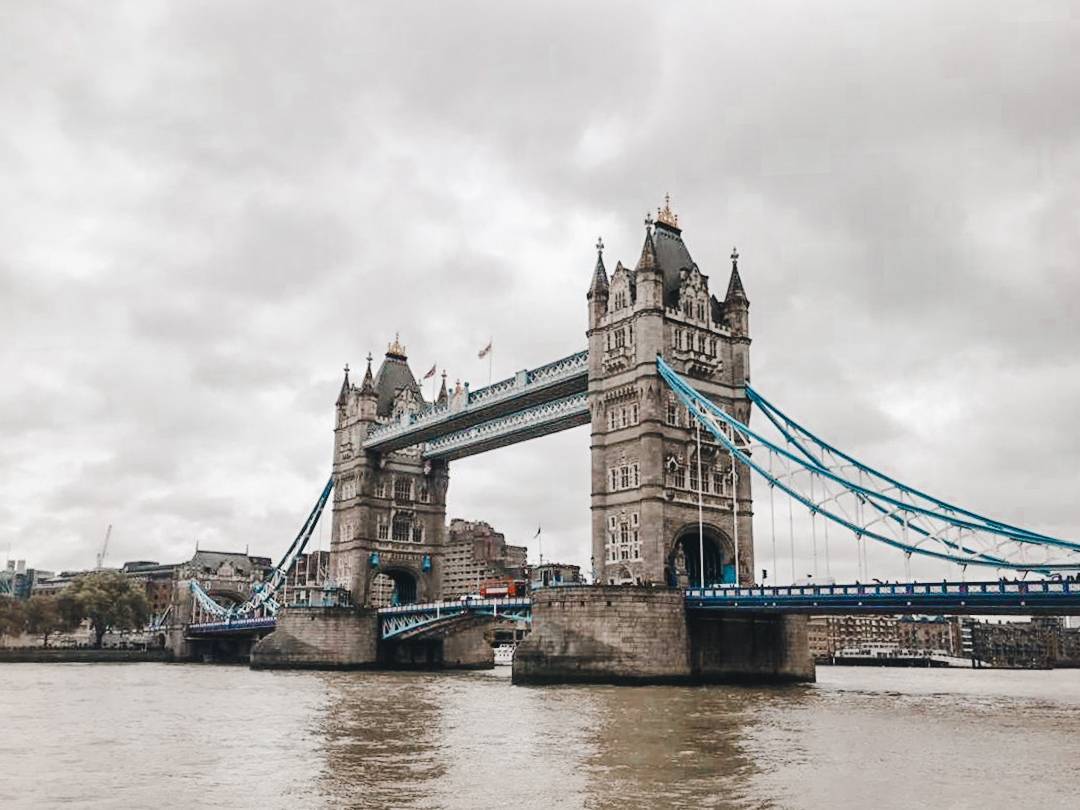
(395, 586)
(683, 567)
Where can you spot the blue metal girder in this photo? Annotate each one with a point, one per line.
(530, 423)
(396, 621)
(232, 626)
(1004, 598)
(526, 389)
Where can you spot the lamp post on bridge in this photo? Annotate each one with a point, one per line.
(700, 508)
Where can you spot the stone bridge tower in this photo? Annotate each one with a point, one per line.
(389, 511)
(644, 452)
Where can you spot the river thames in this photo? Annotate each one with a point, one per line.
(140, 735)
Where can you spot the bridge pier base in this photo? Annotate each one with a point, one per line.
(605, 634)
(750, 648)
(463, 647)
(320, 638)
(643, 635)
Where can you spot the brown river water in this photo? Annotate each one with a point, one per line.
(160, 735)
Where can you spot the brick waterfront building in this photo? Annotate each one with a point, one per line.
(476, 552)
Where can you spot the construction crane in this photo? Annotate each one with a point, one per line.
(104, 549)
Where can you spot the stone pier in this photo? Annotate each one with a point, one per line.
(750, 648)
(320, 638)
(605, 634)
(642, 635)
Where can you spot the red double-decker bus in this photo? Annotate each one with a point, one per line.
(502, 588)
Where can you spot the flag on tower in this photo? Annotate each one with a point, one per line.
(431, 372)
(484, 352)
(537, 533)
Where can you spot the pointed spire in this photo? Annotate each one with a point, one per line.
(368, 386)
(443, 396)
(599, 284)
(735, 290)
(344, 395)
(647, 262)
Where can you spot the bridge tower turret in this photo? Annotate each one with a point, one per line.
(389, 510)
(645, 465)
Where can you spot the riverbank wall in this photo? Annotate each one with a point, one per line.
(79, 655)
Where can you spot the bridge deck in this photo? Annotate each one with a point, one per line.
(233, 627)
(1001, 598)
(526, 390)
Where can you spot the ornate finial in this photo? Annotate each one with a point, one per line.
(648, 220)
(600, 245)
(665, 215)
(396, 348)
(734, 258)
(369, 358)
(346, 369)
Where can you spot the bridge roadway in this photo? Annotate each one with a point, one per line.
(532, 403)
(1038, 597)
(1043, 597)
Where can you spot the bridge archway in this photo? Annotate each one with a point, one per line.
(683, 566)
(393, 586)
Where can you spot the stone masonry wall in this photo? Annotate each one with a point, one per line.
(605, 634)
(320, 638)
(751, 648)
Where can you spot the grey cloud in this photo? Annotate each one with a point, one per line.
(209, 208)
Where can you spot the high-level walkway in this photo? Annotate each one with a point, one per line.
(532, 403)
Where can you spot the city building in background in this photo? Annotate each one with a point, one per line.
(553, 573)
(18, 581)
(476, 553)
(1043, 642)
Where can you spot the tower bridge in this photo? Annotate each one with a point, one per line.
(664, 386)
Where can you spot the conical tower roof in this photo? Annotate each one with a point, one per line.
(343, 397)
(599, 284)
(735, 289)
(368, 386)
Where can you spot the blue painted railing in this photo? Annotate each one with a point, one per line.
(1004, 596)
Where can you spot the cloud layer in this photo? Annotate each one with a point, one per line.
(209, 208)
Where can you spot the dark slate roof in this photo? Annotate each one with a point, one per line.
(671, 256)
(393, 375)
(599, 279)
(735, 289)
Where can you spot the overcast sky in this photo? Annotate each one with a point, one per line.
(206, 209)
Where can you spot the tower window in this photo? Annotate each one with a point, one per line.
(402, 527)
(402, 489)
